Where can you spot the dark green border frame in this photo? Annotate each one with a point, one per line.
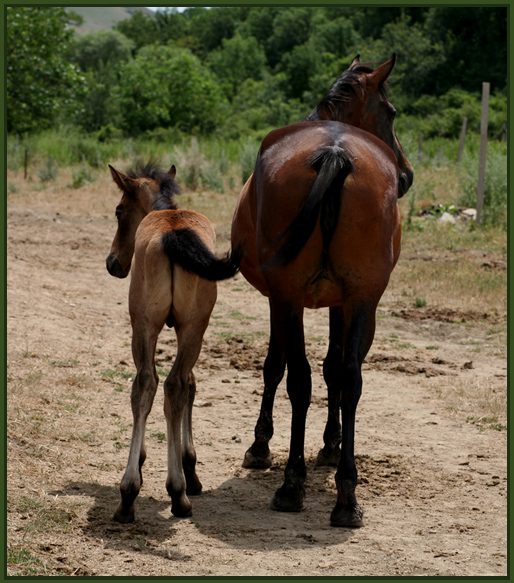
(3, 262)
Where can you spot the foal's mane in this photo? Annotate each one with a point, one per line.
(168, 188)
(346, 88)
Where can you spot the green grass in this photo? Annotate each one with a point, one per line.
(26, 562)
(43, 516)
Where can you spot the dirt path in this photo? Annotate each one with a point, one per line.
(433, 487)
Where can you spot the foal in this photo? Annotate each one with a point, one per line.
(173, 282)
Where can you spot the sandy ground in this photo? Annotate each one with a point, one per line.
(433, 486)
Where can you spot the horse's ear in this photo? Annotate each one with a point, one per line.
(123, 182)
(172, 171)
(356, 61)
(380, 74)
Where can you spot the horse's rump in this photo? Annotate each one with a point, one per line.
(302, 177)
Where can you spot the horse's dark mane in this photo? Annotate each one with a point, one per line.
(168, 188)
(342, 92)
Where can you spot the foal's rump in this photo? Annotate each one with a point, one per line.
(174, 262)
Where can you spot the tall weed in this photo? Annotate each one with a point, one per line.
(495, 190)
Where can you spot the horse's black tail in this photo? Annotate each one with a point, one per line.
(184, 247)
(333, 165)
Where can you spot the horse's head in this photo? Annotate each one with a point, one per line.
(143, 190)
(359, 98)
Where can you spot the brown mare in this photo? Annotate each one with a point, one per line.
(319, 226)
(172, 282)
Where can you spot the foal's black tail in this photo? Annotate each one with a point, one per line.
(323, 200)
(184, 247)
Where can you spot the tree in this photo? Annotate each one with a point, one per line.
(239, 59)
(140, 28)
(93, 50)
(42, 85)
(99, 54)
(475, 42)
(164, 86)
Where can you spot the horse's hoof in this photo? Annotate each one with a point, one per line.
(257, 462)
(349, 517)
(124, 516)
(281, 503)
(328, 458)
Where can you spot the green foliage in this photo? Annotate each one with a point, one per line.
(495, 188)
(164, 86)
(236, 61)
(442, 116)
(41, 85)
(49, 171)
(248, 158)
(94, 50)
(81, 176)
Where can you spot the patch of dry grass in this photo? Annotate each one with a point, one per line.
(482, 402)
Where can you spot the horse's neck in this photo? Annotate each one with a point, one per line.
(313, 116)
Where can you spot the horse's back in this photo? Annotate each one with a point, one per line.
(365, 242)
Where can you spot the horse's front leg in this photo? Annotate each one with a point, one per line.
(144, 388)
(258, 455)
(332, 367)
(287, 323)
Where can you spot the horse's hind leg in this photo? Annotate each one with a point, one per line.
(359, 333)
(144, 387)
(332, 373)
(287, 323)
(258, 455)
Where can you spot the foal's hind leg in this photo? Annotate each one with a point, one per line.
(179, 392)
(193, 484)
(258, 455)
(332, 365)
(357, 341)
(143, 392)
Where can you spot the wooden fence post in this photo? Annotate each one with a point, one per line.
(482, 154)
(462, 140)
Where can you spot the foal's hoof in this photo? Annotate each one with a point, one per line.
(194, 486)
(328, 457)
(283, 503)
(124, 516)
(257, 461)
(347, 516)
(181, 507)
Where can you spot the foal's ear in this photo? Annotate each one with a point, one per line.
(123, 182)
(380, 74)
(172, 171)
